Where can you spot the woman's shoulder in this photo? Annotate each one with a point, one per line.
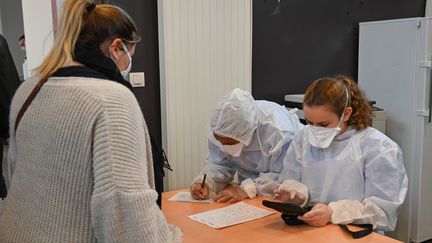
(24, 90)
(371, 137)
(103, 89)
(372, 133)
(274, 117)
(84, 78)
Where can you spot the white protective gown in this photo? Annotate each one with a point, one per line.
(265, 128)
(360, 175)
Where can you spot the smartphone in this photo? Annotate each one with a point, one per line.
(286, 208)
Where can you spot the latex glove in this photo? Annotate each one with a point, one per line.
(231, 193)
(349, 211)
(266, 183)
(292, 191)
(291, 196)
(249, 187)
(320, 215)
(199, 193)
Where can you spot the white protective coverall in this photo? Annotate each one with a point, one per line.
(264, 129)
(361, 176)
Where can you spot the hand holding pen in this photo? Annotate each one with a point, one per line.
(199, 191)
(203, 182)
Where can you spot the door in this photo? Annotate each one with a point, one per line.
(423, 210)
(388, 72)
(146, 59)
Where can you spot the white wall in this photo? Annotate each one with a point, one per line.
(205, 51)
(38, 28)
(59, 5)
(12, 28)
(1, 27)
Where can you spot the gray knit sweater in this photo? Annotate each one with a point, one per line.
(83, 167)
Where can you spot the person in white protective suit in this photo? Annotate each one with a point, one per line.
(249, 137)
(348, 171)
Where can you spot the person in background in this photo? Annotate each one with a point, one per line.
(21, 42)
(80, 146)
(22, 45)
(9, 82)
(348, 171)
(249, 137)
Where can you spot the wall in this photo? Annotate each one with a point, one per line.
(1, 25)
(39, 36)
(13, 28)
(38, 28)
(146, 59)
(205, 51)
(311, 39)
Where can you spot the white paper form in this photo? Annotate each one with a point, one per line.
(235, 214)
(186, 197)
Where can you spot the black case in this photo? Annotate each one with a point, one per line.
(289, 211)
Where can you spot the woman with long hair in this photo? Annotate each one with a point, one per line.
(79, 143)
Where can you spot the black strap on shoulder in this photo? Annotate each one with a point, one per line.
(28, 101)
(160, 161)
(368, 228)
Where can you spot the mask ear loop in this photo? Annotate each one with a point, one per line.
(126, 50)
(346, 105)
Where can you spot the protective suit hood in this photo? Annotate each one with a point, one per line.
(235, 116)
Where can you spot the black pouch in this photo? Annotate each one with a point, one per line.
(289, 211)
(367, 229)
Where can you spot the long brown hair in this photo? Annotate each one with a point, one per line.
(332, 92)
(84, 22)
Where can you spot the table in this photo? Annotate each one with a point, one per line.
(268, 229)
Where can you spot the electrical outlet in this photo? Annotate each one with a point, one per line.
(137, 79)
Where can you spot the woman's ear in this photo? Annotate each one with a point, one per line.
(347, 113)
(115, 49)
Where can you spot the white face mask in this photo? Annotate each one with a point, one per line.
(23, 48)
(321, 137)
(233, 150)
(126, 72)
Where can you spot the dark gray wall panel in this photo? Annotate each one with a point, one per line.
(146, 59)
(309, 39)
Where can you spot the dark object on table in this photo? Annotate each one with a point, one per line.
(289, 211)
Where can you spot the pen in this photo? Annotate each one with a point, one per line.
(203, 182)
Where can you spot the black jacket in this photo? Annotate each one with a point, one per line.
(9, 82)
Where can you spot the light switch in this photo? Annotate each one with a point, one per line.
(137, 79)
